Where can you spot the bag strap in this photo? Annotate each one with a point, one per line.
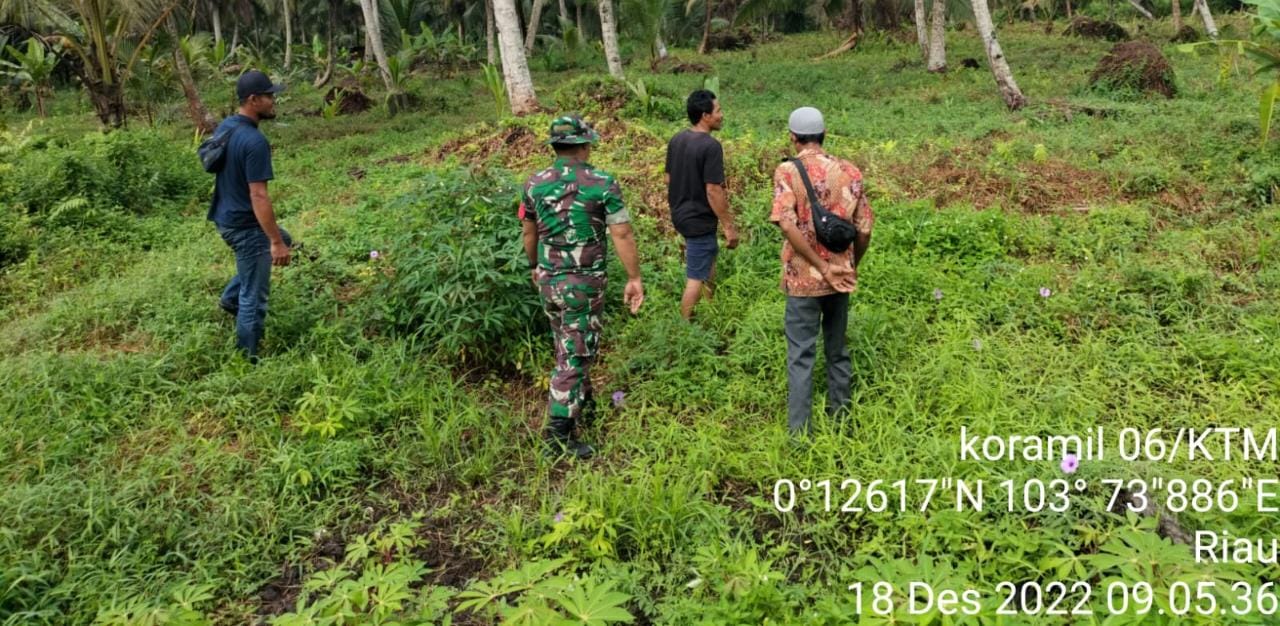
(814, 204)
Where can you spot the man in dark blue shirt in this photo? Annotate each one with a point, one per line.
(242, 211)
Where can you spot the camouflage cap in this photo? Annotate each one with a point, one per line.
(572, 130)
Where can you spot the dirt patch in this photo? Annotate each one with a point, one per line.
(1135, 65)
(1090, 28)
(513, 146)
(1039, 187)
(1186, 34)
(733, 39)
(690, 68)
(351, 99)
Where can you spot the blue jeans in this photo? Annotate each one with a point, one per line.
(246, 295)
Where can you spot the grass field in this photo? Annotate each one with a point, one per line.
(382, 462)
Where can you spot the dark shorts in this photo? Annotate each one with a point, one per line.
(700, 255)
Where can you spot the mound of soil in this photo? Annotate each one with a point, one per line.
(1090, 28)
(590, 95)
(689, 68)
(352, 100)
(732, 39)
(1186, 34)
(1041, 187)
(1135, 65)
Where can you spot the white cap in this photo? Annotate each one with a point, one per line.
(807, 121)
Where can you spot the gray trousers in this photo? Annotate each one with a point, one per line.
(803, 318)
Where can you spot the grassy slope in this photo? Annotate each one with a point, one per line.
(138, 453)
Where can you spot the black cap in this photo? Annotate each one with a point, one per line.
(253, 82)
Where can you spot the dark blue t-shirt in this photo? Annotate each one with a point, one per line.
(248, 160)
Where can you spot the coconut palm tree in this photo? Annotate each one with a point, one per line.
(1210, 28)
(609, 33)
(96, 32)
(535, 17)
(922, 28)
(185, 52)
(515, 67)
(937, 60)
(373, 37)
(1013, 97)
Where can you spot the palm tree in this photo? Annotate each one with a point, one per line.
(1209, 27)
(490, 34)
(515, 67)
(938, 38)
(645, 18)
(609, 32)
(922, 29)
(183, 55)
(95, 31)
(535, 16)
(288, 33)
(1013, 97)
(373, 36)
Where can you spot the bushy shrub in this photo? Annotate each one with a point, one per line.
(126, 172)
(459, 277)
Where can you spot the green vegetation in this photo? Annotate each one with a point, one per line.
(1094, 259)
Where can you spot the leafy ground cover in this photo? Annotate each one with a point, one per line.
(1099, 258)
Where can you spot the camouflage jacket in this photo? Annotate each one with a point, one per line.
(573, 204)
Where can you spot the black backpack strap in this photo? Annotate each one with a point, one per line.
(814, 205)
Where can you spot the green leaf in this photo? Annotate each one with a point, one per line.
(1265, 108)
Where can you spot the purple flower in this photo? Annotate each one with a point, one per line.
(559, 516)
(1045, 292)
(937, 294)
(373, 254)
(1070, 463)
(618, 397)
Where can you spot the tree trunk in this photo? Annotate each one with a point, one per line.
(288, 36)
(1139, 8)
(200, 116)
(489, 35)
(922, 29)
(938, 38)
(1176, 8)
(1209, 27)
(216, 15)
(515, 68)
(564, 11)
(1013, 98)
(330, 59)
(535, 17)
(660, 47)
(706, 27)
(373, 35)
(609, 32)
(108, 101)
(578, 9)
(235, 38)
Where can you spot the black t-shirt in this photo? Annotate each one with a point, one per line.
(694, 160)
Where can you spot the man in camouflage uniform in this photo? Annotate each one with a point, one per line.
(565, 211)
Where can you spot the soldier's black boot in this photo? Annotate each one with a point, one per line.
(560, 441)
(590, 411)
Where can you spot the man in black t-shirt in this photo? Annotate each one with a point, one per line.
(695, 191)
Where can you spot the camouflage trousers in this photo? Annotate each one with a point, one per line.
(573, 303)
